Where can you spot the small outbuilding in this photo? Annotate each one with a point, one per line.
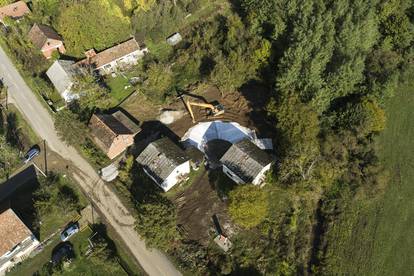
(62, 74)
(244, 162)
(46, 40)
(174, 39)
(113, 133)
(14, 11)
(165, 163)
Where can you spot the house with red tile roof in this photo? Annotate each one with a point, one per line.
(14, 11)
(108, 61)
(46, 40)
(16, 240)
(113, 133)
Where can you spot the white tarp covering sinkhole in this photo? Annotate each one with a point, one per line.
(200, 134)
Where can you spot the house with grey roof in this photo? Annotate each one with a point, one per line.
(165, 163)
(244, 162)
(62, 74)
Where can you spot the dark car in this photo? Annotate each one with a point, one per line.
(31, 153)
(69, 231)
(63, 251)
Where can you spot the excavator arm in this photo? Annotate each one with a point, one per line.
(216, 110)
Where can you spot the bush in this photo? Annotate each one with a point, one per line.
(248, 205)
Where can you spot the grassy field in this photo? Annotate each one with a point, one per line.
(376, 238)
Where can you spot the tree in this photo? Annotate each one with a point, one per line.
(8, 157)
(248, 205)
(159, 82)
(69, 128)
(92, 92)
(156, 222)
(97, 24)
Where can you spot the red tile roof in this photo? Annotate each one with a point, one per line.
(12, 231)
(107, 56)
(14, 10)
(39, 34)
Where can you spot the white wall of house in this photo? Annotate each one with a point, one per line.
(9, 259)
(261, 176)
(177, 175)
(127, 60)
(232, 175)
(256, 181)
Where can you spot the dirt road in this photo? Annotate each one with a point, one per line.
(153, 262)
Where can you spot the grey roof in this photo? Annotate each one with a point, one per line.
(246, 160)
(160, 158)
(61, 74)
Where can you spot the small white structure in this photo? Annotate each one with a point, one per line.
(174, 39)
(200, 134)
(62, 74)
(165, 163)
(109, 173)
(108, 61)
(244, 163)
(16, 240)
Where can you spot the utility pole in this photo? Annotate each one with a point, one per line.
(45, 154)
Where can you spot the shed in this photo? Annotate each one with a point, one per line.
(174, 39)
(244, 162)
(62, 74)
(165, 163)
(14, 10)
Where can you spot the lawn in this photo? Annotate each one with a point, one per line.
(120, 86)
(376, 238)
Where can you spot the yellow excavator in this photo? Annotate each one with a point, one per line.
(215, 108)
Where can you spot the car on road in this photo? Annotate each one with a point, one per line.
(63, 251)
(31, 153)
(69, 231)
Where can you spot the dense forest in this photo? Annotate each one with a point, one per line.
(328, 66)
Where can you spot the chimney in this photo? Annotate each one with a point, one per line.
(90, 54)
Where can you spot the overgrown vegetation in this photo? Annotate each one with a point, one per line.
(330, 67)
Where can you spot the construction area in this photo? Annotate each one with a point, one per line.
(211, 123)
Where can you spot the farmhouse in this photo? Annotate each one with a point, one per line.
(113, 133)
(120, 56)
(244, 162)
(46, 39)
(16, 242)
(165, 163)
(15, 10)
(62, 74)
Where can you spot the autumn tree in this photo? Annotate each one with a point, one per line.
(248, 205)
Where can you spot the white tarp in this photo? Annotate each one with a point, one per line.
(264, 143)
(232, 132)
(109, 173)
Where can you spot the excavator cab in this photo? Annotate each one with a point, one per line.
(217, 110)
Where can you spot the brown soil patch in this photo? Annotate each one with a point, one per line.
(196, 207)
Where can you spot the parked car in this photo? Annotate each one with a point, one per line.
(71, 230)
(31, 153)
(63, 251)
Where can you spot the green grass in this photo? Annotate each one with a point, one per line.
(376, 238)
(117, 86)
